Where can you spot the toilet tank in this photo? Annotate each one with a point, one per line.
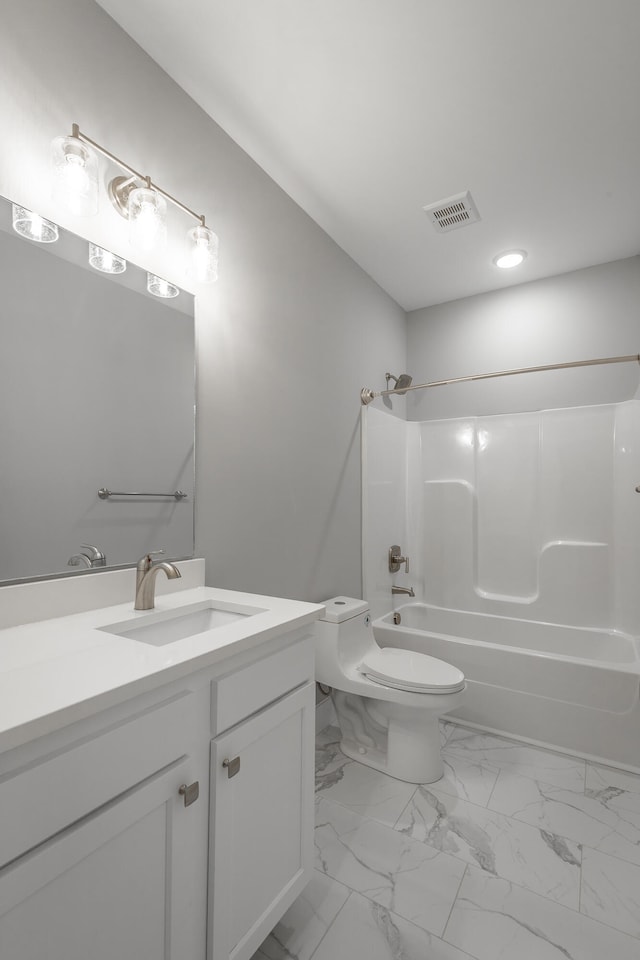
(343, 636)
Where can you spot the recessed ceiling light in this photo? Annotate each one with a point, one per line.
(511, 258)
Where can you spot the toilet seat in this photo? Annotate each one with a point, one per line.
(411, 671)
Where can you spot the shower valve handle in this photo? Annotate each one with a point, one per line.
(396, 559)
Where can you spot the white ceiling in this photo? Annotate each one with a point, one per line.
(366, 110)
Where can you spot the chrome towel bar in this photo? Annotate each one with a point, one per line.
(104, 494)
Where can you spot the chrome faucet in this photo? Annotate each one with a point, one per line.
(406, 590)
(146, 573)
(95, 557)
(79, 560)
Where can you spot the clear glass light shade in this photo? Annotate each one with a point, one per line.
(32, 226)
(75, 175)
(105, 261)
(203, 255)
(161, 288)
(147, 218)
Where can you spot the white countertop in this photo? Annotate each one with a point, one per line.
(54, 672)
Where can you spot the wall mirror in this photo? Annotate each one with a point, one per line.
(97, 392)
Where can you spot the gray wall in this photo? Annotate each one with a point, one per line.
(286, 338)
(581, 315)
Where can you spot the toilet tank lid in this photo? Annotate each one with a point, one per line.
(343, 608)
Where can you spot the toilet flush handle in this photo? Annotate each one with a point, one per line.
(396, 559)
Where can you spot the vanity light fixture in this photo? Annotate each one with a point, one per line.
(161, 288)
(509, 259)
(32, 226)
(203, 265)
(147, 212)
(75, 175)
(134, 196)
(105, 261)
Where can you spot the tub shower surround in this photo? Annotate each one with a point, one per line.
(524, 538)
(516, 852)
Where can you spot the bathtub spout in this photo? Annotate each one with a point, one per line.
(408, 591)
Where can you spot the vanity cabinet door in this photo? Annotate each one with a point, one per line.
(261, 837)
(116, 884)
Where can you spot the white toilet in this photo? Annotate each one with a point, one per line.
(387, 701)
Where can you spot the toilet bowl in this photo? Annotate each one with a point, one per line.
(387, 701)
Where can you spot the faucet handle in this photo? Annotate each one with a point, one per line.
(396, 559)
(144, 563)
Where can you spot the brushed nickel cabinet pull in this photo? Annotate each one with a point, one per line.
(190, 792)
(233, 766)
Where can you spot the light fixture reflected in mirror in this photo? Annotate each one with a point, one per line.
(32, 226)
(105, 261)
(161, 288)
(134, 196)
(203, 254)
(75, 175)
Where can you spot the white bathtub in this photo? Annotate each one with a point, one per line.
(574, 688)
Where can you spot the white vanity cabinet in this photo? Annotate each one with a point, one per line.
(97, 846)
(261, 849)
(103, 852)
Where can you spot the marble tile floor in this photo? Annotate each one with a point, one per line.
(517, 853)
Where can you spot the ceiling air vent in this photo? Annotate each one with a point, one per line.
(452, 213)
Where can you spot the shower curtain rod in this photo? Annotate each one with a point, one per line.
(367, 395)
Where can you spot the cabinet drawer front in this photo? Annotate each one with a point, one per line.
(244, 692)
(37, 802)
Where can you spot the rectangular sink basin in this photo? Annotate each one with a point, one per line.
(161, 628)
